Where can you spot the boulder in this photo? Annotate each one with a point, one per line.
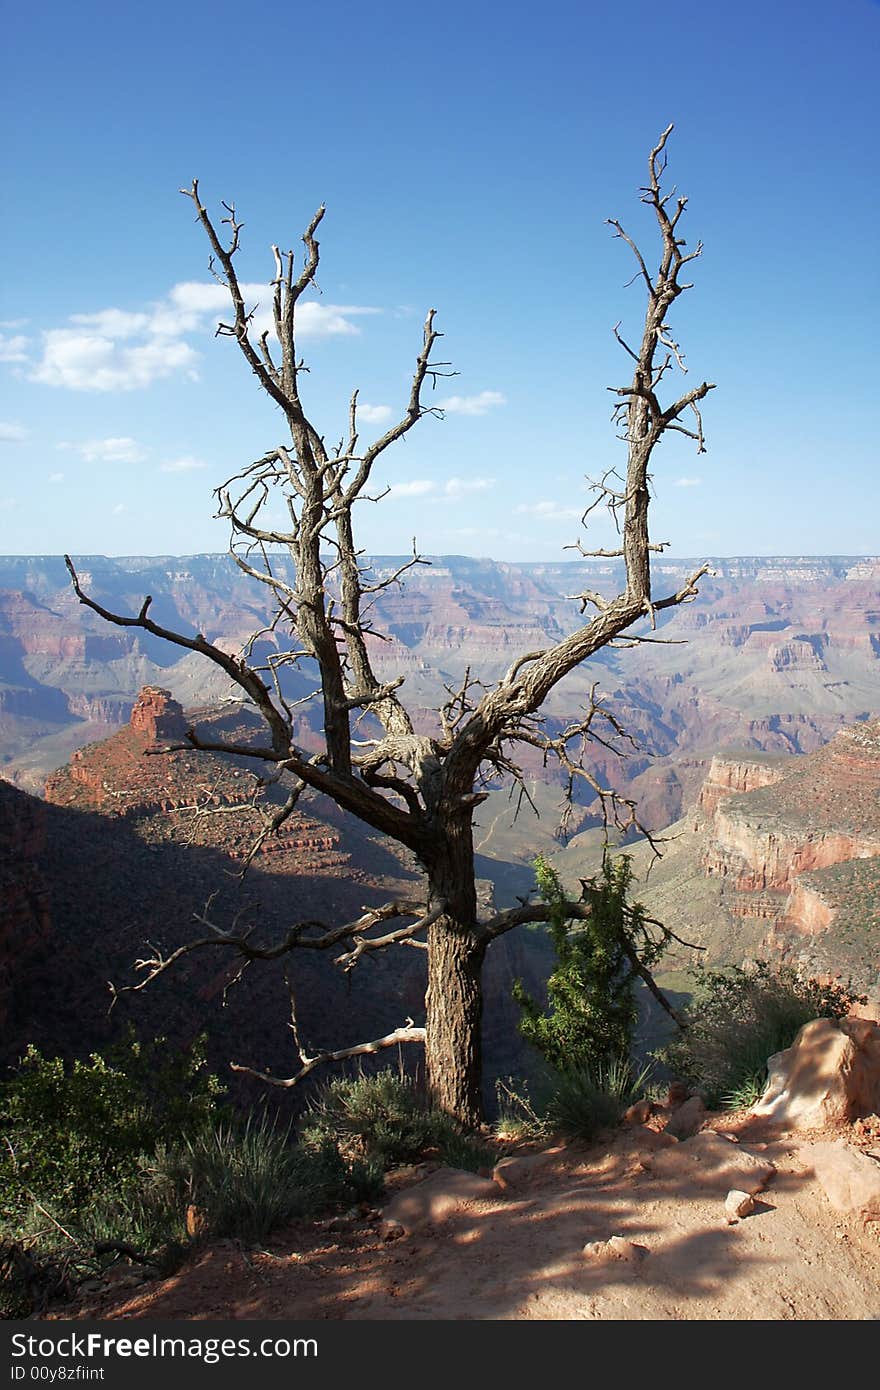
(686, 1119)
(708, 1160)
(829, 1075)
(437, 1198)
(851, 1179)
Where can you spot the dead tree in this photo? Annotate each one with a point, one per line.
(420, 789)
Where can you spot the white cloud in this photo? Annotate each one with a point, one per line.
(417, 488)
(374, 414)
(183, 465)
(195, 304)
(550, 511)
(96, 362)
(457, 487)
(12, 323)
(126, 350)
(688, 482)
(472, 405)
(56, 477)
(114, 323)
(114, 450)
(450, 491)
(13, 349)
(11, 433)
(119, 509)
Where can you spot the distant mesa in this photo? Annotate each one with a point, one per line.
(157, 715)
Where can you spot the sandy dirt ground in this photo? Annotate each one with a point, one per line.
(520, 1255)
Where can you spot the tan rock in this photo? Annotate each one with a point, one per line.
(437, 1198)
(708, 1160)
(637, 1114)
(851, 1179)
(829, 1075)
(515, 1171)
(686, 1119)
(738, 1204)
(615, 1248)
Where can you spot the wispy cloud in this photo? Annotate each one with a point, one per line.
(183, 465)
(473, 405)
(121, 449)
(56, 477)
(11, 433)
(116, 349)
(457, 487)
(550, 511)
(688, 482)
(374, 414)
(13, 349)
(417, 487)
(450, 491)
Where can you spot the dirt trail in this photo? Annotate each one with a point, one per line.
(520, 1255)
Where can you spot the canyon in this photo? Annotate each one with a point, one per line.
(779, 859)
(770, 848)
(775, 655)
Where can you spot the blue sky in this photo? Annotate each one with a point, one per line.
(468, 155)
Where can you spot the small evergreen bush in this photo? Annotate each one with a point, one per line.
(591, 1008)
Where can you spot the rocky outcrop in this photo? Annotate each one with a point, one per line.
(157, 715)
(732, 774)
(794, 840)
(710, 1160)
(829, 1076)
(780, 860)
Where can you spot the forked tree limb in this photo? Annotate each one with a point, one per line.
(406, 1034)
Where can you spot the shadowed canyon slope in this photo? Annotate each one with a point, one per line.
(131, 842)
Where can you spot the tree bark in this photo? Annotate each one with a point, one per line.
(453, 1046)
(456, 950)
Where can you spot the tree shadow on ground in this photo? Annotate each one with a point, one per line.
(521, 1257)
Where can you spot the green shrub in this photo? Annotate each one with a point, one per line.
(76, 1146)
(587, 1099)
(591, 1000)
(737, 1019)
(241, 1178)
(385, 1120)
(72, 1131)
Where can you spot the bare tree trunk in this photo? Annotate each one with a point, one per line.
(453, 1047)
(454, 999)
